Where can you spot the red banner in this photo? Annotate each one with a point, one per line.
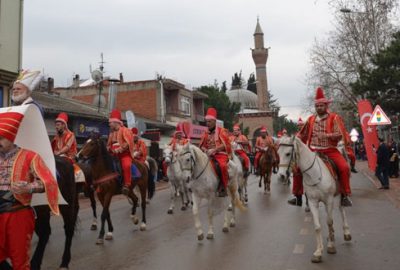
(371, 141)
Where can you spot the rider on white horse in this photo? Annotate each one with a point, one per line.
(216, 144)
(241, 146)
(321, 133)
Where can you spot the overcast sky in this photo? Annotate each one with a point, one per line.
(192, 41)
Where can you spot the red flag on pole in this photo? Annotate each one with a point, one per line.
(371, 142)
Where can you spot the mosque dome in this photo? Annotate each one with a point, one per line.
(246, 98)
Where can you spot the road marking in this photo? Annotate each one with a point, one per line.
(307, 219)
(298, 249)
(304, 231)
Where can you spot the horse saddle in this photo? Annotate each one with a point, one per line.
(333, 169)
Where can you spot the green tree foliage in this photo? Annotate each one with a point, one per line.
(223, 87)
(251, 83)
(220, 101)
(282, 122)
(237, 81)
(381, 82)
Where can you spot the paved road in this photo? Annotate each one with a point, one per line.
(270, 235)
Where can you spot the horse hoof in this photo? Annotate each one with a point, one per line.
(93, 227)
(183, 208)
(63, 268)
(210, 236)
(316, 259)
(109, 236)
(225, 229)
(170, 212)
(331, 250)
(200, 237)
(347, 237)
(232, 224)
(259, 185)
(135, 219)
(143, 227)
(307, 209)
(99, 241)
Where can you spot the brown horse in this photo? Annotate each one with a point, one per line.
(106, 185)
(266, 164)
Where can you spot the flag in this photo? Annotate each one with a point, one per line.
(371, 142)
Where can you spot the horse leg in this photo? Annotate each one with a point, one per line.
(197, 223)
(210, 212)
(172, 197)
(186, 194)
(135, 200)
(346, 228)
(232, 195)
(269, 181)
(259, 182)
(317, 256)
(109, 234)
(330, 247)
(43, 230)
(143, 194)
(106, 204)
(307, 209)
(183, 196)
(69, 214)
(93, 227)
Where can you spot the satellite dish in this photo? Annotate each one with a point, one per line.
(130, 119)
(141, 126)
(97, 75)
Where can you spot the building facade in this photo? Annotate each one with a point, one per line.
(11, 17)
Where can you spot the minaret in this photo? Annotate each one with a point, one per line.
(260, 56)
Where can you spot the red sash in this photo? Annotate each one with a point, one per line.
(23, 163)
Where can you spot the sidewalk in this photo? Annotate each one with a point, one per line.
(393, 193)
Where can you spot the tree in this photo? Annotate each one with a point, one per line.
(282, 122)
(381, 82)
(223, 87)
(237, 81)
(251, 83)
(220, 101)
(359, 33)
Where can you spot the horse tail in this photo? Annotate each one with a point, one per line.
(236, 201)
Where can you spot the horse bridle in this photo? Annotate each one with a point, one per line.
(192, 164)
(293, 155)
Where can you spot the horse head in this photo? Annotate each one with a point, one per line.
(90, 149)
(169, 155)
(286, 152)
(186, 156)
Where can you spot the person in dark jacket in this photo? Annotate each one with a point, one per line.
(394, 160)
(383, 163)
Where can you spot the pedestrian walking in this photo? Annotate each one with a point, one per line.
(382, 166)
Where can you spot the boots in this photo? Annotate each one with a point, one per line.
(297, 200)
(345, 201)
(353, 169)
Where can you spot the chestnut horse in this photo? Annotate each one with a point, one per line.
(106, 185)
(266, 164)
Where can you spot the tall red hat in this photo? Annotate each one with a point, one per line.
(135, 131)
(300, 122)
(9, 124)
(211, 114)
(263, 129)
(320, 97)
(236, 127)
(115, 116)
(178, 129)
(62, 117)
(279, 134)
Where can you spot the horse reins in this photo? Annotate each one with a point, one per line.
(193, 162)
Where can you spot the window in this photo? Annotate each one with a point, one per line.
(185, 106)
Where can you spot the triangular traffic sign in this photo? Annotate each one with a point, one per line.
(379, 117)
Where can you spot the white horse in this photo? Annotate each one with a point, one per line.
(319, 185)
(177, 179)
(242, 177)
(204, 183)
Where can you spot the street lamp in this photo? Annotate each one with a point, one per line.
(348, 11)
